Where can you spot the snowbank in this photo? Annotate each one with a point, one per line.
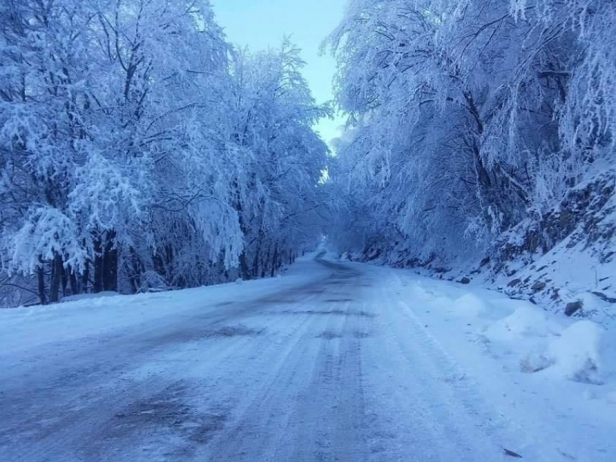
(576, 354)
(470, 305)
(525, 321)
(542, 343)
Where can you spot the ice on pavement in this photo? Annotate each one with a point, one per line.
(331, 361)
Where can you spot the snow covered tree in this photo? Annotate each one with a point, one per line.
(468, 116)
(138, 149)
(278, 195)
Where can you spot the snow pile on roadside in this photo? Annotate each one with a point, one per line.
(466, 305)
(469, 305)
(576, 354)
(522, 336)
(541, 343)
(95, 298)
(525, 321)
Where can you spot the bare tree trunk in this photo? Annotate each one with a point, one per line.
(244, 270)
(110, 263)
(255, 261)
(64, 281)
(40, 274)
(135, 269)
(97, 283)
(265, 262)
(274, 261)
(279, 258)
(73, 281)
(56, 279)
(85, 277)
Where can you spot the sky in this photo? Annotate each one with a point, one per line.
(259, 24)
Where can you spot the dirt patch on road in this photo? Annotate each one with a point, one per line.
(315, 291)
(165, 417)
(329, 335)
(363, 314)
(195, 333)
(362, 335)
(278, 300)
(233, 331)
(166, 409)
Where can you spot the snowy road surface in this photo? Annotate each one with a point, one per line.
(335, 362)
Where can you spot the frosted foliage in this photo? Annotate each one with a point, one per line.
(139, 148)
(47, 233)
(467, 117)
(590, 114)
(104, 195)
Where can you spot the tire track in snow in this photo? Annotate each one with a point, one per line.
(334, 406)
(288, 417)
(419, 396)
(255, 415)
(73, 416)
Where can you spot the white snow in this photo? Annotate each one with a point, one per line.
(576, 353)
(96, 314)
(525, 321)
(338, 361)
(470, 305)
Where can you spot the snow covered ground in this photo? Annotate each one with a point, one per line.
(332, 361)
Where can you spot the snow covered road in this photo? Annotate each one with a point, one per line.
(334, 362)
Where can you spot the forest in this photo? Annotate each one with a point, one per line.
(140, 150)
(481, 134)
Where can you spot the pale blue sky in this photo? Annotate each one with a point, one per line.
(262, 23)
